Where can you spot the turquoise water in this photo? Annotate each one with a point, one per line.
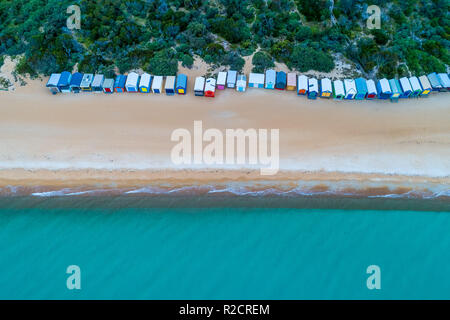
(143, 248)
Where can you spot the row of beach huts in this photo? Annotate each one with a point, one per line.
(311, 87)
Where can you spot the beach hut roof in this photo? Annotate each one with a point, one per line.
(271, 75)
(425, 83)
(349, 85)
(444, 80)
(371, 87)
(232, 74)
(256, 78)
(395, 87)
(303, 81)
(222, 78)
(313, 84)
(339, 87)
(384, 84)
(120, 81)
(199, 84)
(132, 79)
(170, 82)
(291, 79)
(361, 85)
(181, 80)
(241, 80)
(53, 80)
(145, 79)
(98, 80)
(415, 85)
(87, 80)
(404, 82)
(64, 79)
(210, 84)
(326, 85)
(108, 83)
(157, 82)
(242, 77)
(76, 79)
(432, 77)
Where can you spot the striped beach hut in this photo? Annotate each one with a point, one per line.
(326, 89)
(361, 88)
(426, 86)
(132, 83)
(291, 81)
(281, 80)
(119, 83)
(108, 85)
(169, 86)
(231, 78)
(181, 86)
(350, 89)
(157, 84)
(384, 89)
(434, 81)
(444, 81)
(64, 82)
(371, 89)
(199, 86)
(338, 90)
(97, 83)
(271, 77)
(256, 80)
(241, 83)
(210, 87)
(313, 88)
(145, 83)
(86, 82)
(396, 90)
(75, 82)
(302, 85)
(415, 86)
(221, 80)
(52, 83)
(406, 87)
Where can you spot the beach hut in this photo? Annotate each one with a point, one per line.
(415, 86)
(396, 89)
(313, 88)
(132, 83)
(108, 85)
(199, 86)
(326, 88)
(119, 83)
(426, 86)
(338, 89)
(97, 83)
(210, 87)
(157, 84)
(281, 80)
(302, 85)
(181, 83)
(350, 89)
(75, 82)
(371, 89)
(444, 81)
(145, 83)
(291, 81)
(406, 88)
(86, 82)
(271, 77)
(434, 81)
(64, 82)
(361, 88)
(231, 78)
(169, 87)
(384, 89)
(241, 83)
(221, 80)
(256, 80)
(52, 83)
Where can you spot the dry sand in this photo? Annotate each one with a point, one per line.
(77, 138)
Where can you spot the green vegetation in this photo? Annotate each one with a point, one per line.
(157, 34)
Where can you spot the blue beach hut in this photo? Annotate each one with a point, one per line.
(75, 82)
(396, 89)
(281, 80)
(361, 88)
(434, 81)
(145, 83)
(181, 86)
(444, 80)
(119, 84)
(64, 81)
(384, 89)
(406, 88)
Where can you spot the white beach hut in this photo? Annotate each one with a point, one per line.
(406, 87)
(326, 89)
(350, 89)
(199, 86)
(86, 82)
(371, 89)
(157, 84)
(426, 86)
(221, 80)
(302, 85)
(169, 86)
(145, 82)
(241, 83)
(210, 87)
(231, 78)
(338, 89)
(271, 78)
(256, 80)
(132, 82)
(415, 85)
(97, 83)
(313, 88)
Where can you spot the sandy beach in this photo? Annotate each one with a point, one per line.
(124, 139)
